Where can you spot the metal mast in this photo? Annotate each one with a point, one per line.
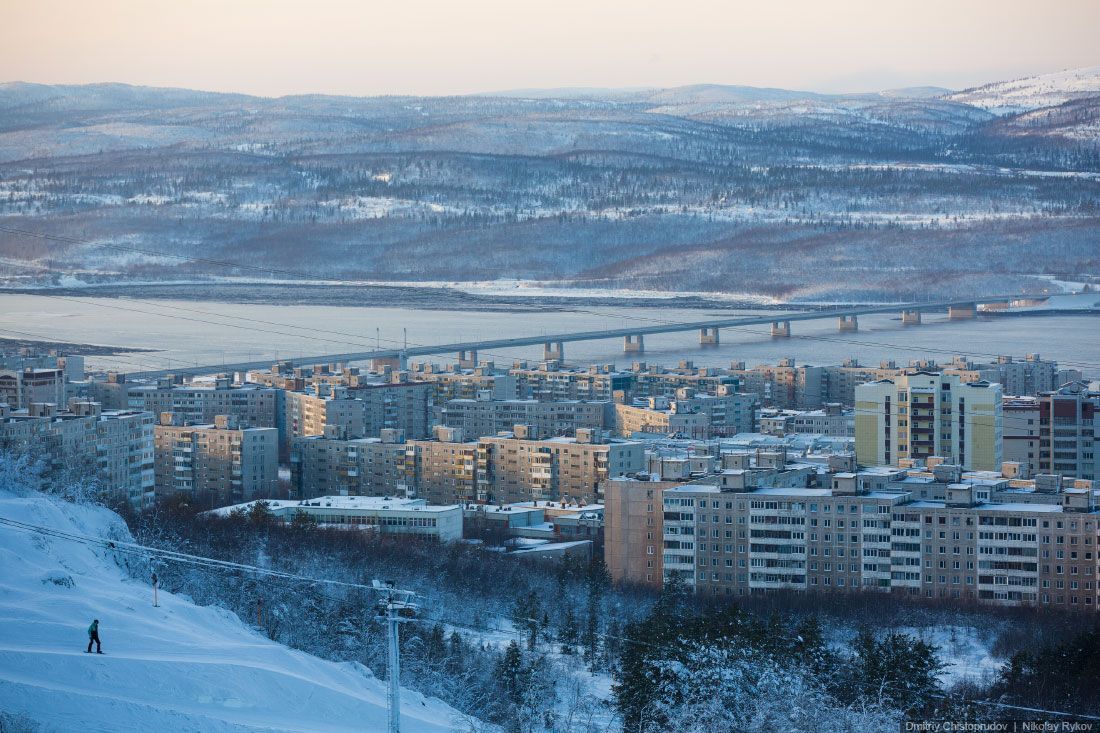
(396, 608)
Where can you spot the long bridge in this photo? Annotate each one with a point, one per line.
(633, 337)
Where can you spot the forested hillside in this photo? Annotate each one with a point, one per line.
(783, 193)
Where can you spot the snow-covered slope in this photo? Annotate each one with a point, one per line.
(178, 667)
(1033, 92)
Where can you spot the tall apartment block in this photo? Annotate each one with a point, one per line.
(488, 417)
(785, 384)
(1030, 545)
(252, 405)
(445, 470)
(1068, 422)
(359, 412)
(914, 416)
(215, 464)
(634, 530)
(333, 465)
(521, 467)
(689, 414)
(20, 387)
(116, 445)
(768, 524)
(1021, 439)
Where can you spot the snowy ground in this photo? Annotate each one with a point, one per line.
(964, 649)
(178, 667)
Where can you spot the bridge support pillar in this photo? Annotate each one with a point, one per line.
(553, 351)
(910, 318)
(848, 323)
(708, 336)
(962, 312)
(634, 344)
(467, 359)
(781, 329)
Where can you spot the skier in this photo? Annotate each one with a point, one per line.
(93, 636)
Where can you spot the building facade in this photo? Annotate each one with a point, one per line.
(215, 463)
(914, 416)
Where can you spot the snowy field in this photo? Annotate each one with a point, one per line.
(178, 667)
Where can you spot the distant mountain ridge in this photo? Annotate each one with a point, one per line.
(1033, 92)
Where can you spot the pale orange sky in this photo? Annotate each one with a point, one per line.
(441, 47)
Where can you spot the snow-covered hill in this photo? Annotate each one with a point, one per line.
(1033, 92)
(178, 667)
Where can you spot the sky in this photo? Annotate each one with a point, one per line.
(433, 47)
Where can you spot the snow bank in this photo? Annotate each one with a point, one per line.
(178, 667)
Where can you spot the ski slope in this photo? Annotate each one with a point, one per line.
(179, 667)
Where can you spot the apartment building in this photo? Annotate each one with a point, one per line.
(550, 383)
(115, 445)
(652, 380)
(465, 384)
(358, 412)
(689, 415)
(200, 402)
(914, 416)
(124, 449)
(217, 462)
(333, 465)
(445, 470)
(519, 467)
(384, 515)
(398, 405)
(785, 384)
(310, 413)
(634, 529)
(1021, 440)
(22, 386)
(488, 417)
(1068, 422)
(1032, 544)
(1028, 376)
(833, 420)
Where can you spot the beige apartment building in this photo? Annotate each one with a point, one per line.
(634, 530)
(252, 405)
(785, 384)
(359, 412)
(1032, 544)
(654, 380)
(465, 384)
(445, 470)
(550, 383)
(117, 445)
(914, 416)
(518, 467)
(215, 464)
(689, 415)
(488, 417)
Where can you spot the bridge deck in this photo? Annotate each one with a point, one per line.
(505, 343)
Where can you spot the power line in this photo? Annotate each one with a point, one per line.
(209, 563)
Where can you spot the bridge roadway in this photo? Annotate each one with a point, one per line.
(633, 335)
